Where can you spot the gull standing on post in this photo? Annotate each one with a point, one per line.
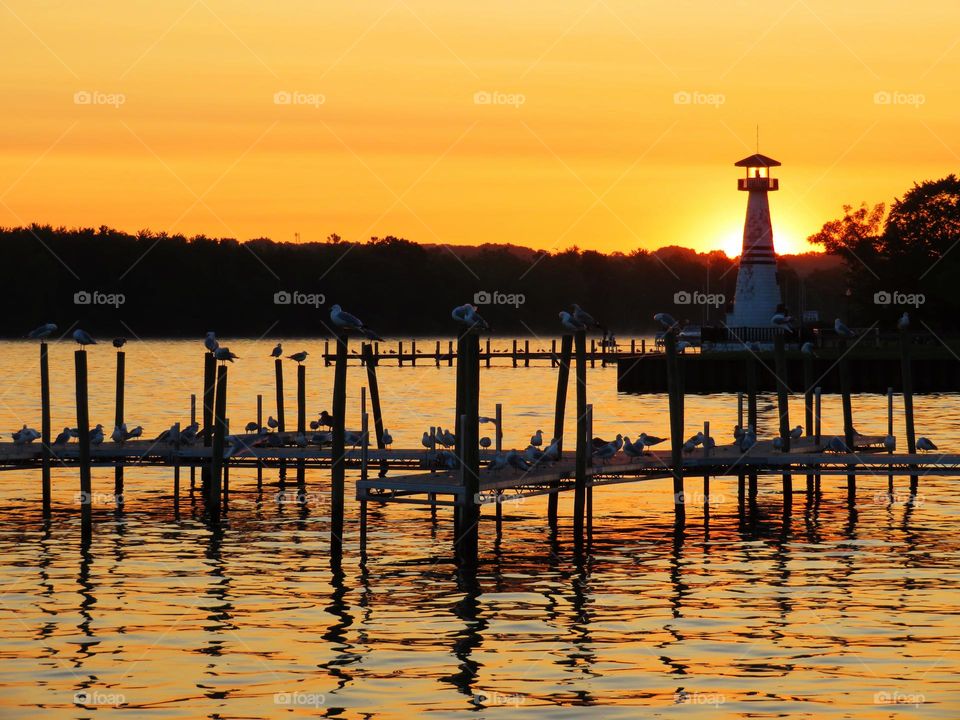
(223, 354)
(346, 321)
(83, 337)
(298, 357)
(583, 317)
(570, 323)
(277, 351)
(42, 332)
(210, 341)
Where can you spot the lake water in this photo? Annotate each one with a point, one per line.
(835, 611)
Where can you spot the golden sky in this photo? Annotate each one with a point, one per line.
(609, 124)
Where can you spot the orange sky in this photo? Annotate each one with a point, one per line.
(583, 143)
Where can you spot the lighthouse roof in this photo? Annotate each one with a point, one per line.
(757, 160)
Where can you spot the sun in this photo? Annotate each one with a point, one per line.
(784, 243)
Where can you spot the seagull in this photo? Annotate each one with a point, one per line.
(210, 341)
(807, 349)
(890, 443)
(923, 443)
(632, 450)
(83, 337)
(96, 435)
(326, 419)
(135, 433)
(298, 357)
(119, 342)
(25, 435)
(837, 445)
(606, 452)
(426, 441)
(314, 424)
(223, 354)
(569, 323)
(537, 438)
(277, 351)
(778, 443)
(484, 442)
(689, 445)
(251, 427)
(737, 434)
(42, 332)
(904, 322)
(468, 315)
(189, 433)
(842, 330)
(748, 440)
(272, 422)
(583, 317)
(64, 437)
(552, 453)
(497, 463)
(650, 440)
(532, 455)
(797, 432)
(696, 439)
(447, 438)
(346, 321)
(709, 443)
(516, 461)
(665, 319)
(118, 432)
(387, 438)
(781, 320)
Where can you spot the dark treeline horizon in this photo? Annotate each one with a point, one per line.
(174, 286)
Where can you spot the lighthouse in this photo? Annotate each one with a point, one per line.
(757, 296)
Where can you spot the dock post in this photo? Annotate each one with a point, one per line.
(449, 353)
(193, 419)
(278, 370)
(259, 425)
(553, 353)
(583, 445)
(209, 386)
(844, 371)
(676, 426)
(593, 352)
(45, 427)
(706, 476)
(436, 355)
(817, 406)
(783, 409)
(526, 353)
(83, 438)
(488, 351)
(590, 464)
(468, 531)
(364, 457)
(367, 352)
(890, 432)
(752, 416)
(214, 496)
(337, 447)
(906, 368)
(301, 418)
(563, 377)
(117, 422)
(399, 353)
(413, 353)
(326, 353)
(514, 352)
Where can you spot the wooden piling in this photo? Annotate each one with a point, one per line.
(301, 398)
(259, 425)
(83, 438)
(209, 387)
(278, 371)
(563, 380)
(437, 354)
(450, 353)
(399, 353)
(906, 368)
(45, 428)
(890, 432)
(783, 409)
(488, 351)
(413, 353)
(193, 419)
(467, 536)
(215, 494)
(675, 398)
(843, 366)
(337, 447)
(583, 443)
(118, 422)
(526, 353)
(817, 409)
(589, 518)
(593, 352)
(752, 417)
(514, 353)
(367, 352)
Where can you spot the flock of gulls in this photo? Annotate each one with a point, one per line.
(438, 442)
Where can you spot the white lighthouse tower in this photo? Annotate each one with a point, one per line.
(758, 291)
